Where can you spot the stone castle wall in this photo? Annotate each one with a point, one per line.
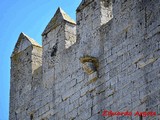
(108, 60)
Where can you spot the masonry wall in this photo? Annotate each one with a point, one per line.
(129, 65)
(26, 76)
(127, 48)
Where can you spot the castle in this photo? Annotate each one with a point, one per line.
(109, 59)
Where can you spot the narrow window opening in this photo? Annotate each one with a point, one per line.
(31, 117)
(16, 116)
(54, 50)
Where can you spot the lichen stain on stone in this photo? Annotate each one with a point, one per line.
(90, 59)
(16, 56)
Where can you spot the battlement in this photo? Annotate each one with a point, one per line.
(24, 42)
(99, 62)
(62, 27)
(59, 17)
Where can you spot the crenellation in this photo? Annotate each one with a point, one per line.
(60, 81)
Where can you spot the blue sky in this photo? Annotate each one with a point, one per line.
(30, 17)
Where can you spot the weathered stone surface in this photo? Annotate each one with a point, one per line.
(26, 76)
(127, 46)
(60, 16)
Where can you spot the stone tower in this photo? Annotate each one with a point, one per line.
(26, 61)
(59, 35)
(109, 60)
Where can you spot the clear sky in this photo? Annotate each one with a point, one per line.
(30, 17)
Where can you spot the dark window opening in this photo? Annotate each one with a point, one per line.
(31, 117)
(54, 50)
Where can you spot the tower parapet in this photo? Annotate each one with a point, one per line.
(59, 35)
(113, 66)
(26, 65)
(61, 25)
(91, 15)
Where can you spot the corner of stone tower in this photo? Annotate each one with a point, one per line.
(59, 17)
(26, 64)
(91, 15)
(59, 34)
(23, 43)
(26, 51)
